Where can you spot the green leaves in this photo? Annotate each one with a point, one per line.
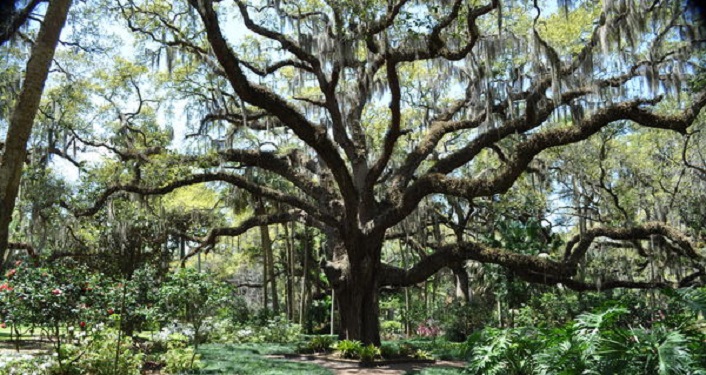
(349, 348)
(191, 296)
(601, 342)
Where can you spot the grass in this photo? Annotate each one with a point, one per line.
(6, 333)
(248, 359)
(438, 371)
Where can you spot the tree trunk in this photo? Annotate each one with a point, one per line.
(268, 262)
(20, 128)
(358, 306)
(269, 266)
(462, 282)
(355, 281)
(289, 241)
(304, 279)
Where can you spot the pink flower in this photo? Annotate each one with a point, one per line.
(56, 292)
(11, 273)
(5, 286)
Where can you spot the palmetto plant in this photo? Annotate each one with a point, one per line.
(600, 342)
(500, 351)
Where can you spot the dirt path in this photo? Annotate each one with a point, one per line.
(352, 368)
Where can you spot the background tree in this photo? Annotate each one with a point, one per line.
(14, 150)
(13, 17)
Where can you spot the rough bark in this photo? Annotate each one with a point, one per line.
(20, 129)
(355, 275)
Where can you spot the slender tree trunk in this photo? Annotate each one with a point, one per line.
(304, 279)
(406, 293)
(23, 115)
(265, 282)
(268, 263)
(289, 240)
(407, 330)
(270, 267)
(333, 309)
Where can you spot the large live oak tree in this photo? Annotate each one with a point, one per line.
(457, 78)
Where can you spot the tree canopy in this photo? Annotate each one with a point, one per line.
(543, 137)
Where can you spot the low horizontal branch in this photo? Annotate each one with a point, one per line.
(449, 254)
(577, 247)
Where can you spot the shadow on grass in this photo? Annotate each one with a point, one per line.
(436, 371)
(250, 360)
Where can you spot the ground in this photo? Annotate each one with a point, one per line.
(266, 359)
(352, 368)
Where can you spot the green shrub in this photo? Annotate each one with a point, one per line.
(321, 343)
(390, 350)
(422, 354)
(601, 342)
(391, 328)
(280, 330)
(179, 357)
(349, 348)
(368, 353)
(103, 350)
(192, 297)
(498, 351)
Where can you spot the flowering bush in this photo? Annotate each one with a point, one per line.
(278, 329)
(59, 296)
(428, 329)
(64, 300)
(26, 364)
(191, 297)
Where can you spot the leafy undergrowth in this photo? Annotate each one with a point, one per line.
(439, 348)
(249, 359)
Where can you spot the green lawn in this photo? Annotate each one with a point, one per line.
(439, 371)
(249, 360)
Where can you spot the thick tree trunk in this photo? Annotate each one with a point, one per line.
(358, 307)
(20, 128)
(356, 284)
